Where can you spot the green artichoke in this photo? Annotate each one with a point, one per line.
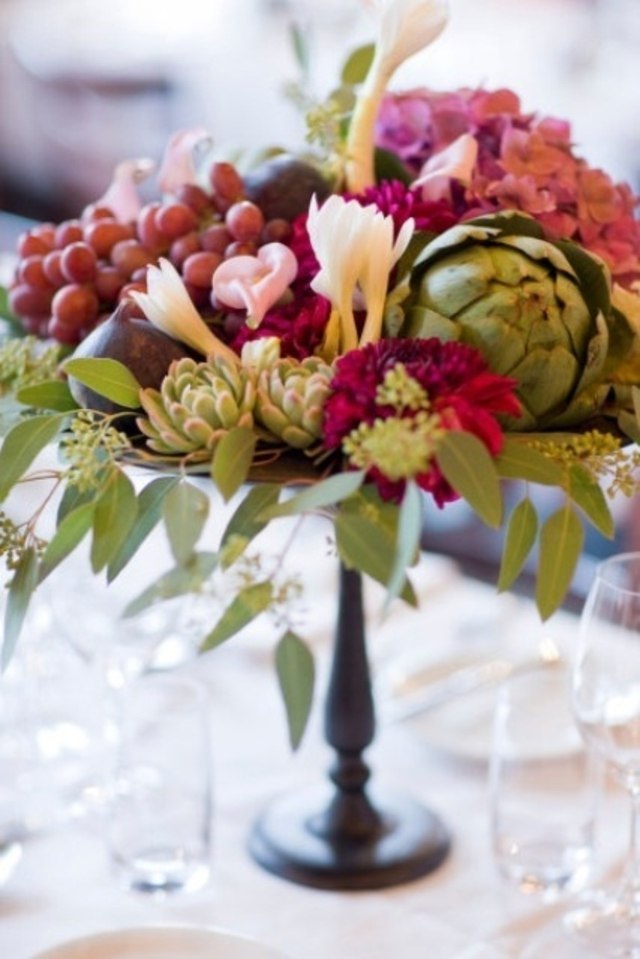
(196, 405)
(538, 311)
(290, 400)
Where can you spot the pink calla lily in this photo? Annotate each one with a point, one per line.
(255, 283)
(455, 162)
(178, 166)
(122, 196)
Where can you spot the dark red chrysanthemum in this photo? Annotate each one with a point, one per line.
(299, 326)
(395, 199)
(461, 389)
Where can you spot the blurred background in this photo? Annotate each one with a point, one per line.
(84, 83)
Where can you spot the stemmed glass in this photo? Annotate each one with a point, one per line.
(606, 699)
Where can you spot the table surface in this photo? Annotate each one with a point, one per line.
(63, 887)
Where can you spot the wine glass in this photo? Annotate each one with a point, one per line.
(606, 700)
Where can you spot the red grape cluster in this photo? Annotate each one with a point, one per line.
(71, 276)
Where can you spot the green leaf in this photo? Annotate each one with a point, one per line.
(327, 492)
(366, 545)
(114, 515)
(149, 514)
(244, 608)
(519, 460)
(300, 45)
(389, 166)
(358, 65)
(70, 532)
(73, 497)
(247, 521)
(21, 587)
(561, 541)
(48, 395)
(232, 460)
(519, 540)
(185, 511)
(179, 581)
(107, 377)
(467, 465)
(296, 676)
(409, 533)
(588, 495)
(22, 444)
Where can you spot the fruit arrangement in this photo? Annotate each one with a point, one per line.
(71, 276)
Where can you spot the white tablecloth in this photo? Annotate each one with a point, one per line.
(63, 887)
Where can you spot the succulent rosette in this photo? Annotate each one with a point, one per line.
(539, 312)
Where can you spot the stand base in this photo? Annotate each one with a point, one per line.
(288, 840)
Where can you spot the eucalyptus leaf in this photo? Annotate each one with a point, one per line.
(114, 514)
(107, 377)
(296, 676)
(586, 492)
(149, 513)
(232, 460)
(179, 581)
(365, 545)
(408, 544)
(185, 512)
(247, 521)
(73, 496)
(520, 537)
(468, 467)
(70, 532)
(22, 444)
(327, 492)
(519, 460)
(300, 44)
(21, 587)
(244, 608)
(561, 541)
(358, 65)
(48, 395)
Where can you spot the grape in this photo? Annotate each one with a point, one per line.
(63, 332)
(198, 268)
(96, 212)
(175, 219)
(45, 232)
(31, 245)
(70, 231)
(240, 248)
(102, 235)
(147, 230)
(35, 325)
(215, 239)
(183, 247)
(199, 295)
(25, 300)
(53, 269)
(108, 283)
(276, 231)
(245, 221)
(78, 263)
(129, 255)
(31, 272)
(226, 182)
(194, 197)
(75, 306)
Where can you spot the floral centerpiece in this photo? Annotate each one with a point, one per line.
(436, 296)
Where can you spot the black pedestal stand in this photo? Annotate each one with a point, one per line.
(343, 838)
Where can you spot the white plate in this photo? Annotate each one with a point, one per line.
(161, 942)
(463, 729)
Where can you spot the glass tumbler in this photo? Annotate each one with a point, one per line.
(159, 830)
(543, 785)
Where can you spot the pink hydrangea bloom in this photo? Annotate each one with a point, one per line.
(525, 162)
